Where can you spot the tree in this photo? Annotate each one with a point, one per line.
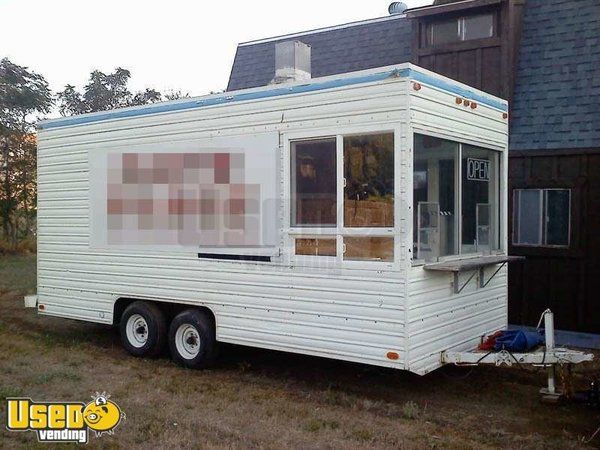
(176, 95)
(107, 91)
(23, 96)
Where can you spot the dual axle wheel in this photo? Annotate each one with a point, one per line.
(190, 336)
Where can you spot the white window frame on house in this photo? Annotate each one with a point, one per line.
(340, 231)
(543, 218)
(460, 29)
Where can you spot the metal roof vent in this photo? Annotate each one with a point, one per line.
(397, 8)
(292, 62)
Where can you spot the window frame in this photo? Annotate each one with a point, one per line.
(293, 182)
(543, 194)
(460, 29)
(340, 231)
(500, 188)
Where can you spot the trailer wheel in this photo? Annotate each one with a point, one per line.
(192, 339)
(143, 329)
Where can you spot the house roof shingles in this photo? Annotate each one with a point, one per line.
(346, 49)
(557, 92)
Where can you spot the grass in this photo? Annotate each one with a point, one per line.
(18, 273)
(410, 410)
(260, 399)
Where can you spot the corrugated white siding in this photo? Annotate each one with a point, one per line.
(352, 313)
(355, 312)
(437, 318)
(441, 320)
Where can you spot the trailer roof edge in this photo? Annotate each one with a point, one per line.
(317, 84)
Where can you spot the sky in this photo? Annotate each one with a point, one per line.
(168, 45)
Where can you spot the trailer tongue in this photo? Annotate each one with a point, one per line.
(547, 356)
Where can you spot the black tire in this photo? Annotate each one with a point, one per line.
(193, 329)
(155, 323)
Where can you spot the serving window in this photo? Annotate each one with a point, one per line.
(455, 198)
(342, 197)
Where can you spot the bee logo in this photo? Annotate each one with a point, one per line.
(102, 415)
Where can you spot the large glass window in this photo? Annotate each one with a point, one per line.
(479, 200)
(369, 195)
(435, 197)
(314, 191)
(369, 180)
(456, 205)
(366, 221)
(541, 217)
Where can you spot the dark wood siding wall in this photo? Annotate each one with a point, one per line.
(564, 280)
(486, 64)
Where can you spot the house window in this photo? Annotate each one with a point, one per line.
(480, 26)
(455, 199)
(443, 32)
(364, 225)
(314, 191)
(458, 29)
(542, 217)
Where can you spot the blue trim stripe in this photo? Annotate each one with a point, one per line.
(276, 92)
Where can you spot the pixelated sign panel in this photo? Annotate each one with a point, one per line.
(181, 198)
(217, 197)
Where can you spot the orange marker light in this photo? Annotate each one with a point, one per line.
(459, 100)
(473, 105)
(393, 356)
(505, 115)
(467, 102)
(417, 86)
(42, 307)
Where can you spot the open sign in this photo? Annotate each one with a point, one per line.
(478, 169)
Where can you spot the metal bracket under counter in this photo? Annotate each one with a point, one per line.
(475, 265)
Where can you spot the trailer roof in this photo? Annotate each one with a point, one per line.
(317, 84)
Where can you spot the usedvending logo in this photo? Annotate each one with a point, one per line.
(64, 421)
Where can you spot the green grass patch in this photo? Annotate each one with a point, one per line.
(314, 425)
(410, 410)
(62, 375)
(18, 273)
(9, 391)
(362, 435)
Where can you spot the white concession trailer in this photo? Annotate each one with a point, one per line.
(360, 217)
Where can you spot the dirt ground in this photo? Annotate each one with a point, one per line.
(263, 399)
